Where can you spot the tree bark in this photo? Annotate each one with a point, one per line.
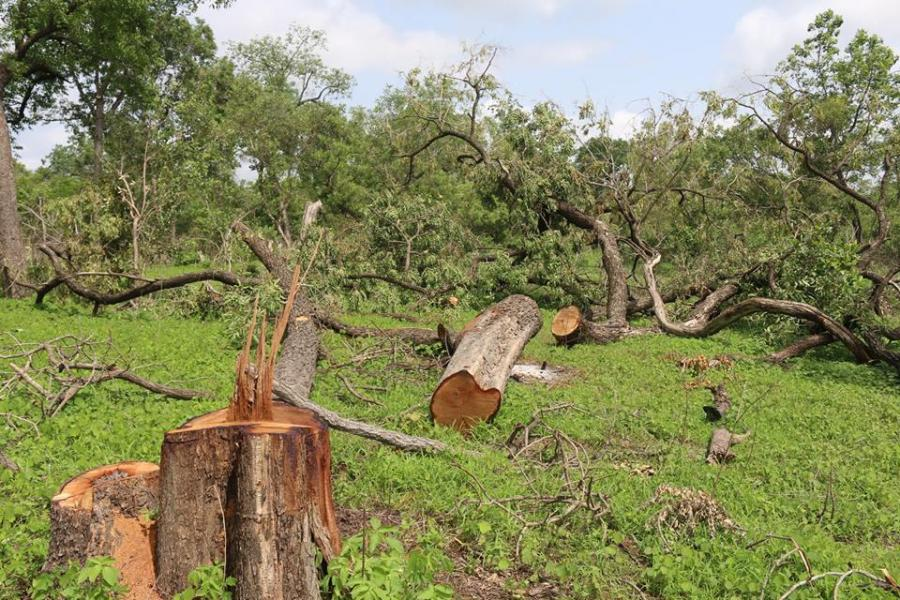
(254, 494)
(472, 385)
(13, 254)
(801, 346)
(99, 513)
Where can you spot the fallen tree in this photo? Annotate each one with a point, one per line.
(471, 388)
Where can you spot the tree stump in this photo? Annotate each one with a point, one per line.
(473, 383)
(254, 494)
(106, 511)
(567, 326)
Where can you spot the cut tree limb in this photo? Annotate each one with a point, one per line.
(395, 439)
(721, 403)
(70, 280)
(570, 326)
(801, 346)
(472, 385)
(720, 444)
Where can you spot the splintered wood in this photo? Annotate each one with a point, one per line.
(252, 399)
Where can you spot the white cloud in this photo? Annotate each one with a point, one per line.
(764, 35)
(622, 124)
(565, 52)
(514, 8)
(357, 39)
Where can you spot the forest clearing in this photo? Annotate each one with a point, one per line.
(256, 342)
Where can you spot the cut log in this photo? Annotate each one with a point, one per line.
(720, 444)
(105, 512)
(473, 383)
(571, 326)
(254, 494)
(721, 403)
(567, 326)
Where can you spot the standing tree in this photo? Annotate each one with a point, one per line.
(47, 45)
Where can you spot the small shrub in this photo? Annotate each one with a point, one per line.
(375, 565)
(98, 579)
(207, 583)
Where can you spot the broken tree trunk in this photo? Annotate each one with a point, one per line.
(472, 385)
(250, 484)
(101, 513)
(256, 494)
(721, 403)
(720, 444)
(570, 327)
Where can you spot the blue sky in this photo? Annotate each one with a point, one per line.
(619, 53)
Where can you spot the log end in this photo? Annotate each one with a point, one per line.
(566, 325)
(78, 492)
(459, 402)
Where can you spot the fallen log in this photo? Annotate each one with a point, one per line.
(472, 385)
(720, 444)
(254, 494)
(721, 402)
(567, 326)
(570, 326)
(102, 513)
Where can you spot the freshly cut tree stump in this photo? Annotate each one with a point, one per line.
(567, 326)
(254, 494)
(100, 513)
(472, 385)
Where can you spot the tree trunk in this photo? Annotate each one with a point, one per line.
(13, 257)
(720, 444)
(570, 327)
(101, 513)
(567, 326)
(721, 403)
(472, 385)
(254, 494)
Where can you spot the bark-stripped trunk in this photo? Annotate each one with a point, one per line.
(99, 513)
(703, 326)
(13, 255)
(472, 385)
(309, 217)
(254, 494)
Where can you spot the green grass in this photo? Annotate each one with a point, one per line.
(824, 424)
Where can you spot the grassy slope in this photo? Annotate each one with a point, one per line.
(823, 423)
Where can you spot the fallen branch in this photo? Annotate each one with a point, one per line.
(701, 325)
(395, 439)
(70, 280)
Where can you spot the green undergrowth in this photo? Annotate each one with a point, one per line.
(821, 464)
